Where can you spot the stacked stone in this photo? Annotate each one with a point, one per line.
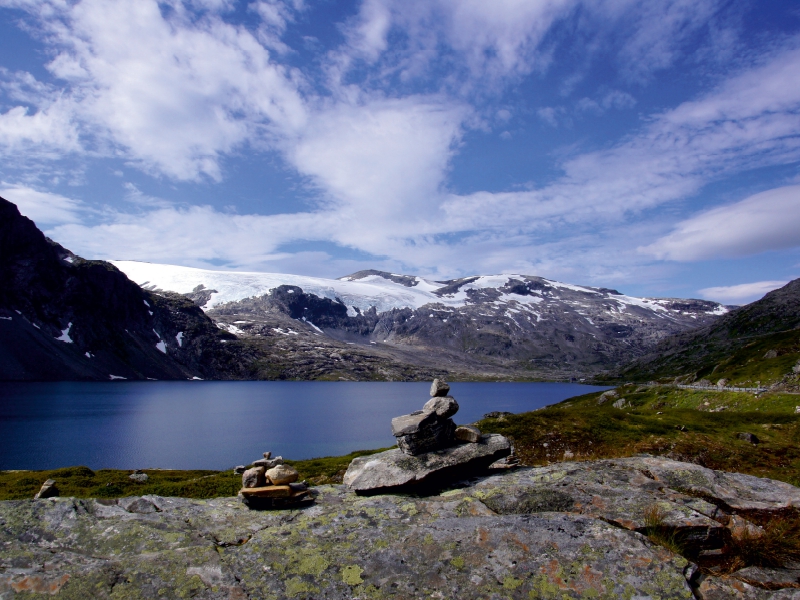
(432, 428)
(270, 484)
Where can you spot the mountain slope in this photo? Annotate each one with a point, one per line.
(520, 324)
(63, 317)
(756, 342)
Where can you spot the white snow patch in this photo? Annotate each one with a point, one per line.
(179, 339)
(16, 311)
(64, 337)
(147, 304)
(89, 355)
(280, 330)
(7, 318)
(68, 259)
(116, 377)
(195, 378)
(230, 328)
(37, 327)
(361, 294)
(162, 346)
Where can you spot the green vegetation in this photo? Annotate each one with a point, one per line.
(743, 361)
(689, 425)
(82, 482)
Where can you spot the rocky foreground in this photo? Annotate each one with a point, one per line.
(569, 530)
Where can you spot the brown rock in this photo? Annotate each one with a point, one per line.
(283, 475)
(468, 433)
(254, 478)
(49, 490)
(269, 491)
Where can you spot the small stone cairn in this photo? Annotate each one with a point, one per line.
(432, 428)
(269, 483)
(432, 450)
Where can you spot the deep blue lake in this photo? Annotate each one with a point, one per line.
(216, 425)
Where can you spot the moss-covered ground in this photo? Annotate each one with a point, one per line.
(690, 425)
(82, 482)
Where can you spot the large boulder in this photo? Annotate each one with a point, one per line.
(394, 470)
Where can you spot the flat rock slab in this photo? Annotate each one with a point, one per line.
(488, 540)
(394, 469)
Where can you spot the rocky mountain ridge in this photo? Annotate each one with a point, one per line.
(63, 317)
(519, 324)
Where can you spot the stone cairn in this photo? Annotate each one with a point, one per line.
(432, 428)
(431, 450)
(269, 483)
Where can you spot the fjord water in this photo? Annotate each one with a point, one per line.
(216, 424)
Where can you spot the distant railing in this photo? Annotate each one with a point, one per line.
(718, 388)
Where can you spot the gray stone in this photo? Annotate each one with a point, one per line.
(434, 435)
(267, 454)
(282, 475)
(468, 433)
(439, 387)
(268, 463)
(255, 477)
(138, 477)
(48, 490)
(137, 505)
(443, 406)
(238, 470)
(408, 424)
(607, 396)
(621, 403)
(748, 437)
(394, 469)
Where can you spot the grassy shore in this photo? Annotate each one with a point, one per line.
(690, 425)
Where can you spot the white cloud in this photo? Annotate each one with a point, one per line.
(743, 293)
(172, 94)
(43, 208)
(766, 221)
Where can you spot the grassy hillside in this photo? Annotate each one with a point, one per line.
(759, 342)
(689, 425)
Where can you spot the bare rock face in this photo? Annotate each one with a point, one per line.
(394, 469)
(570, 530)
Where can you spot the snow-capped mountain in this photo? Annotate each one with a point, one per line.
(510, 321)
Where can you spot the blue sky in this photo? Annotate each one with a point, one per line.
(651, 146)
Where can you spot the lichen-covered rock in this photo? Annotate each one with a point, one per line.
(395, 469)
(562, 531)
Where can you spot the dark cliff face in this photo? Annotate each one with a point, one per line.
(66, 318)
